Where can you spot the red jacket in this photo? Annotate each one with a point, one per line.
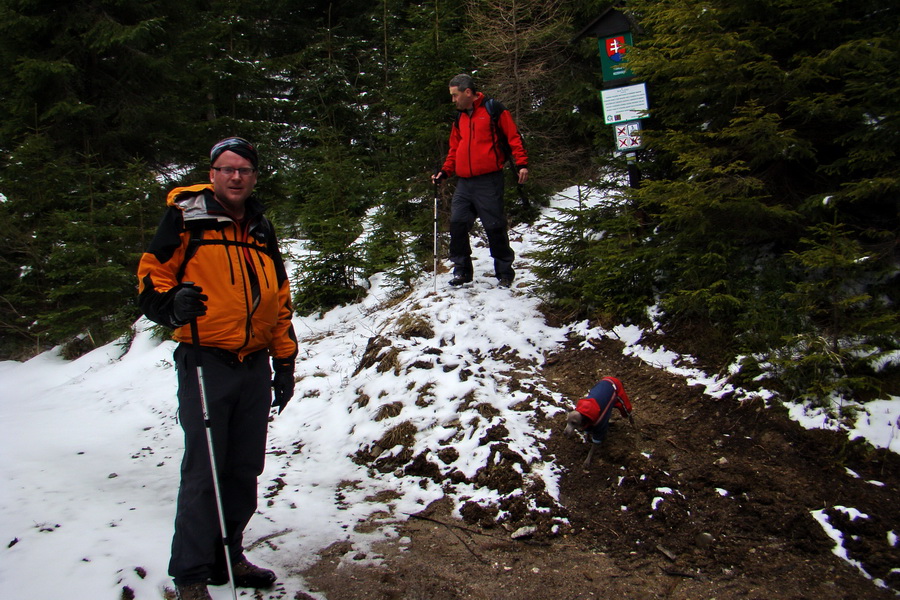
(473, 147)
(595, 407)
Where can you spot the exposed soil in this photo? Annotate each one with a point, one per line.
(759, 541)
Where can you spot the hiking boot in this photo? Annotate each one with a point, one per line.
(459, 280)
(505, 282)
(193, 591)
(246, 574)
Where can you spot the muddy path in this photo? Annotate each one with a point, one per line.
(701, 498)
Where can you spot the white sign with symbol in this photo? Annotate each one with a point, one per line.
(628, 136)
(625, 103)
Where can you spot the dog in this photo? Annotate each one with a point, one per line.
(592, 413)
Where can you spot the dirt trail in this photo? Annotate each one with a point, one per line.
(700, 499)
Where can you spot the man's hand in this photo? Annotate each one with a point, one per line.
(523, 175)
(282, 383)
(438, 177)
(188, 304)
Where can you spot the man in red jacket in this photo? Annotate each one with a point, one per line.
(477, 157)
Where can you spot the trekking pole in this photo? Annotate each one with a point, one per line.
(523, 196)
(195, 339)
(437, 187)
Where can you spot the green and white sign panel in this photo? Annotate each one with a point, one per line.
(627, 103)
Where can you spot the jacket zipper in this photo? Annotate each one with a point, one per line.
(471, 142)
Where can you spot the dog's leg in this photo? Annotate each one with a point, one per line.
(587, 461)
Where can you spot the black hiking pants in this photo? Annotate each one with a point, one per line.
(480, 196)
(238, 397)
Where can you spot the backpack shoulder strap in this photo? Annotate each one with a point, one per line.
(494, 108)
(193, 244)
(264, 229)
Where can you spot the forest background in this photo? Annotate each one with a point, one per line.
(763, 232)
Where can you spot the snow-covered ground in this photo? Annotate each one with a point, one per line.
(90, 448)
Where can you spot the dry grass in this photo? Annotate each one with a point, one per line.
(425, 395)
(388, 411)
(486, 410)
(362, 399)
(403, 434)
(372, 352)
(389, 361)
(413, 325)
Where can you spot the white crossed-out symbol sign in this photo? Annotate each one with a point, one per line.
(628, 136)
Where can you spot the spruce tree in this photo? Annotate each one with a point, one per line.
(428, 51)
(850, 329)
(52, 177)
(767, 120)
(93, 89)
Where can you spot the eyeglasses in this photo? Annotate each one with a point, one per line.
(229, 171)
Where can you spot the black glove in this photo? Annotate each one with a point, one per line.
(283, 383)
(188, 304)
(439, 177)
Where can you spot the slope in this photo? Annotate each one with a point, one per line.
(702, 498)
(422, 458)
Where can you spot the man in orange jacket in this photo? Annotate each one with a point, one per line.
(477, 156)
(215, 261)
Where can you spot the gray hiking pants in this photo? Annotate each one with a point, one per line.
(238, 397)
(480, 196)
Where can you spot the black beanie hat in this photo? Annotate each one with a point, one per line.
(239, 146)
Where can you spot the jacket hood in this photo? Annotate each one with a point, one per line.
(190, 190)
(198, 202)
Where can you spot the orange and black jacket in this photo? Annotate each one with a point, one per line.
(474, 145)
(238, 266)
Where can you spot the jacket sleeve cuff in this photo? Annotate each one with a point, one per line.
(283, 365)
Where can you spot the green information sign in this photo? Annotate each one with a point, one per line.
(613, 51)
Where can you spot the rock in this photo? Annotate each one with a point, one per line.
(524, 532)
(667, 553)
(704, 540)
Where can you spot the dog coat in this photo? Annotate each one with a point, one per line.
(597, 406)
